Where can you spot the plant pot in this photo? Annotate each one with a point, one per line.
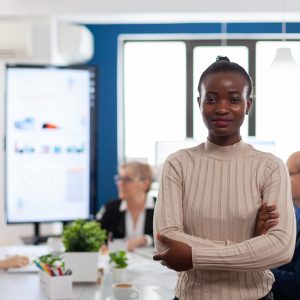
(118, 274)
(84, 265)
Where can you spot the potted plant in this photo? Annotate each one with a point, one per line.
(82, 240)
(118, 260)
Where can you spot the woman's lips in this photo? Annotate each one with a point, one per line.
(221, 122)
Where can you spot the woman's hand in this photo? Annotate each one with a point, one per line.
(137, 242)
(266, 218)
(178, 256)
(15, 261)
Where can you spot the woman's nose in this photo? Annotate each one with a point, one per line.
(221, 107)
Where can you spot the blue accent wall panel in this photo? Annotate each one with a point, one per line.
(249, 28)
(293, 27)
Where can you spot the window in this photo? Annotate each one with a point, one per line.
(154, 96)
(278, 104)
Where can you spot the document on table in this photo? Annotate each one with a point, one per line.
(33, 252)
(31, 268)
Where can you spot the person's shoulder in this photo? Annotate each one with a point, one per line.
(113, 204)
(187, 153)
(108, 209)
(268, 160)
(268, 157)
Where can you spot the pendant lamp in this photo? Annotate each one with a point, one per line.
(284, 60)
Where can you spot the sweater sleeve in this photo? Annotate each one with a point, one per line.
(270, 250)
(168, 217)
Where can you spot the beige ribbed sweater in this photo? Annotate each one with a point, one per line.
(208, 197)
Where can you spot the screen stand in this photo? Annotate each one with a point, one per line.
(36, 238)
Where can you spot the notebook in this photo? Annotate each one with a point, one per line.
(33, 252)
(31, 268)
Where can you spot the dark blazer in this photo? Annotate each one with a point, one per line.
(113, 220)
(287, 277)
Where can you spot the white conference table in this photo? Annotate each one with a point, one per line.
(153, 281)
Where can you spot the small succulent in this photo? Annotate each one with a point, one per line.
(119, 259)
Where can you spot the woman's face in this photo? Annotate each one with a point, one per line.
(129, 185)
(223, 104)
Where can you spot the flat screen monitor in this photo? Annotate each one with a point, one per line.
(49, 143)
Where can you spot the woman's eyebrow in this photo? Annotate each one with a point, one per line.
(234, 92)
(211, 92)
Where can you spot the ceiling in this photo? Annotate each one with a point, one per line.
(142, 11)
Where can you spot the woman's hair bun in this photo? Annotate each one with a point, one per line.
(219, 58)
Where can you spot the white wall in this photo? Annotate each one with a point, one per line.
(52, 7)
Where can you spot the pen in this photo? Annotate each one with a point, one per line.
(38, 265)
(48, 270)
(68, 272)
(59, 271)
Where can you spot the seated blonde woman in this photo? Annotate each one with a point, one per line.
(131, 216)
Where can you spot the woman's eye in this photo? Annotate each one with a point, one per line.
(210, 99)
(235, 100)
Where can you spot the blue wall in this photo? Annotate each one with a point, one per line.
(105, 58)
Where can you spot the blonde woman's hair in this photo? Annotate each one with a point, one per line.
(141, 170)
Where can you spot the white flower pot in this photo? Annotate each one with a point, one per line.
(118, 274)
(84, 265)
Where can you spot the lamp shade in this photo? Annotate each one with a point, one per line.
(284, 60)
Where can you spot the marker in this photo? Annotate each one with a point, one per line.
(59, 271)
(48, 270)
(68, 272)
(38, 265)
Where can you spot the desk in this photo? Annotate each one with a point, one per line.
(153, 281)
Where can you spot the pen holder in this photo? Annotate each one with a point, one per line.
(59, 287)
(43, 277)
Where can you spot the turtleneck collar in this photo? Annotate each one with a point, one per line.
(237, 150)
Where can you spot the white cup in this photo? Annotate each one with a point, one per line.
(125, 291)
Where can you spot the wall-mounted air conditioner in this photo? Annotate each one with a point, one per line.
(15, 39)
(45, 41)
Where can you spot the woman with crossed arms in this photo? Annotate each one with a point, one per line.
(209, 197)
